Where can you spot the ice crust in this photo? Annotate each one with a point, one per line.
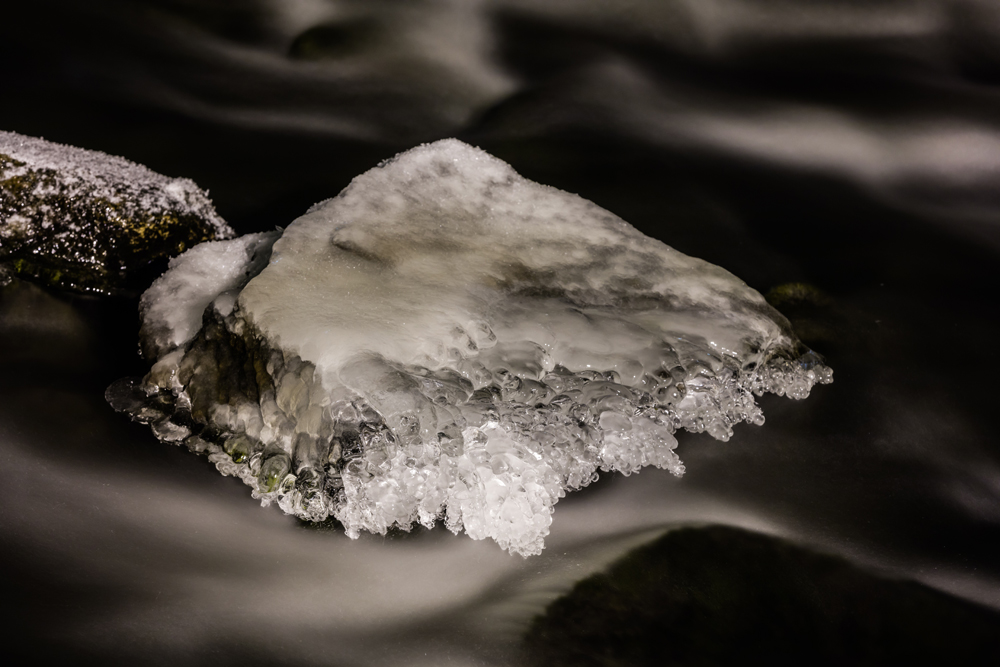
(83, 219)
(171, 309)
(446, 340)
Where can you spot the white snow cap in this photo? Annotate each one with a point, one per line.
(415, 259)
(171, 309)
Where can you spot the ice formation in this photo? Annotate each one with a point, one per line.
(81, 219)
(446, 340)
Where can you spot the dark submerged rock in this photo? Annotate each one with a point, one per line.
(720, 595)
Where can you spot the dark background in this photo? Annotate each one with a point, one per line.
(849, 147)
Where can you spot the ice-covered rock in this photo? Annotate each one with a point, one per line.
(448, 340)
(88, 221)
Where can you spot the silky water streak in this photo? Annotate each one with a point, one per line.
(446, 340)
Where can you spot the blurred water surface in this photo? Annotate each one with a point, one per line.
(851, 148)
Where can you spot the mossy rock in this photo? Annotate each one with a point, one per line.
(85, 221)
(719, 596)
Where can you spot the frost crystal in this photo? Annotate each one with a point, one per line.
(446, 340)
(81, 219)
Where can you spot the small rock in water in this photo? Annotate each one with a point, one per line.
(87, 221)
(446, 340)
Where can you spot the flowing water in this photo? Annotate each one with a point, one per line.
(842, 160)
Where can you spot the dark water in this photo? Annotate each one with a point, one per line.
(850, 146)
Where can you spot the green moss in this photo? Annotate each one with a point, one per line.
(795, 294)
(273, 472)
(239, 448)
(815, 316)
(718, 595)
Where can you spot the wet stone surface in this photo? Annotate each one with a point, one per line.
(81, 220)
